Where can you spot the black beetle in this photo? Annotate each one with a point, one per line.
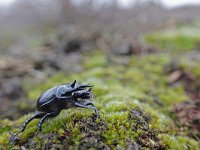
(65, 96)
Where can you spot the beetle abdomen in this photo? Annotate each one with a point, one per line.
(46, 97)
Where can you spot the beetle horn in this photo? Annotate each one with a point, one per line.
(73, 84)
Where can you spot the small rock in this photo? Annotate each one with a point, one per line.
(73, 45)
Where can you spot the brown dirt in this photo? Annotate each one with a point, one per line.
(188, 113)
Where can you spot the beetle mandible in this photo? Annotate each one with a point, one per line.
(57, 98)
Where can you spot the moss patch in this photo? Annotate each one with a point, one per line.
(135, 102)
(179, 39)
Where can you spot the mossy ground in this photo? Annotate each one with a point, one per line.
(181, 38)
(135, 103)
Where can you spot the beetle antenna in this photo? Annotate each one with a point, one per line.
(73, 84)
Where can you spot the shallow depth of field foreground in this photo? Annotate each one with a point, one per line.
(143, 61)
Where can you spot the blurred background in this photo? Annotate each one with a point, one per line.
(41, 38)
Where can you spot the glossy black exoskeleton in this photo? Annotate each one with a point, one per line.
(54, 100)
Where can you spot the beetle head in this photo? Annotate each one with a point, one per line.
(79, 87)
(84, 90)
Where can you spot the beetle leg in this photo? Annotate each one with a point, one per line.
(87, 106)
(88, 102)
(39, 115)
(84, 94)
(39, 125)
(63, 97)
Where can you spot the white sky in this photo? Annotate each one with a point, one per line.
(169, 3)
(6, 2)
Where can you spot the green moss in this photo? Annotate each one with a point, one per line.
(190, 65)
(125, 96)
(179, 142)
(5, 125)
(180, 39)
(95, 60)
